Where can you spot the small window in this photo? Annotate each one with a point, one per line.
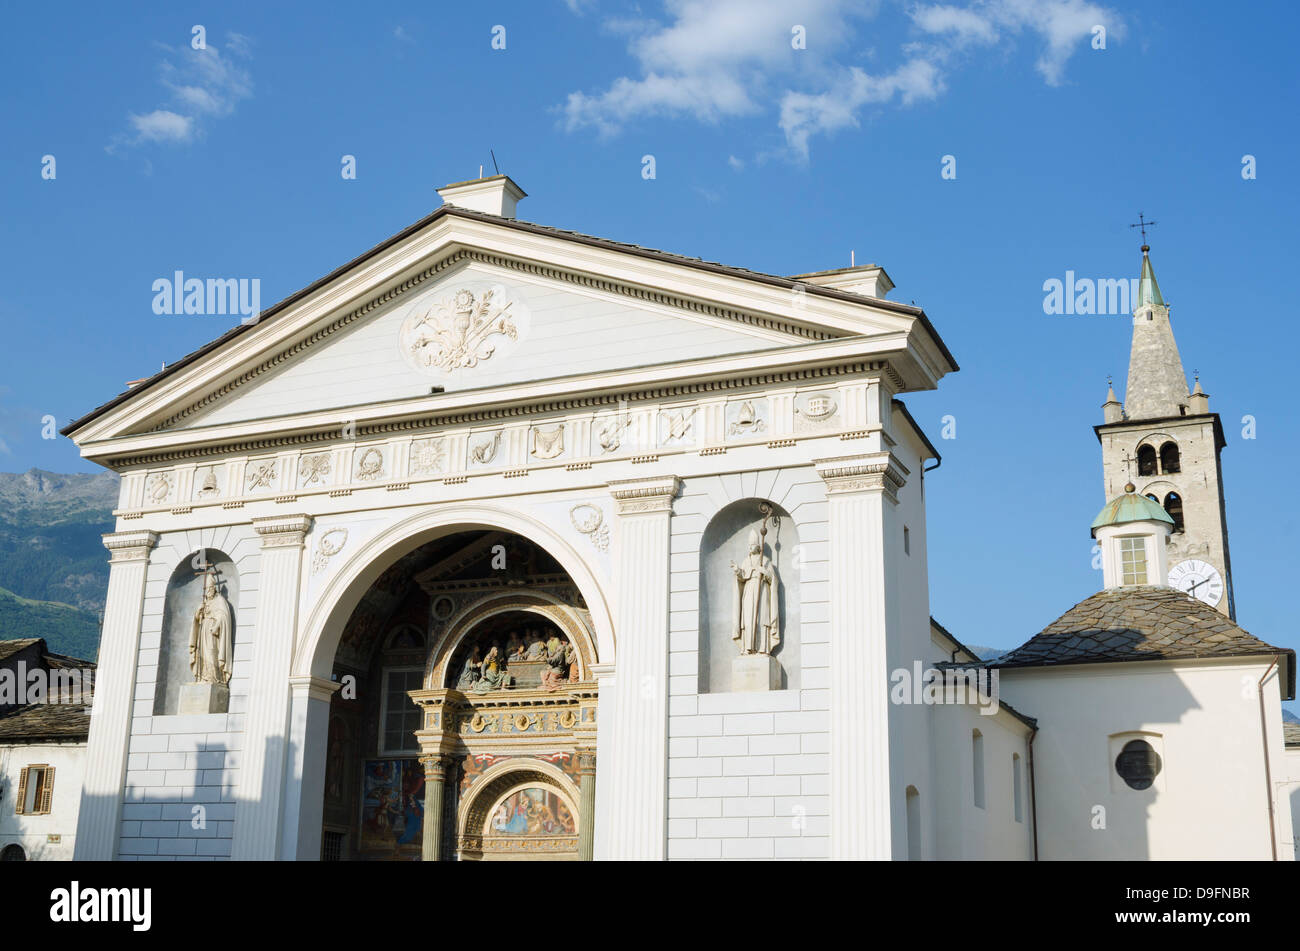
(1017, 803)
(1146, 460)
(1169, 461)
(977, 754)
(1133, 559)
(35, 790)
(1138, 764)
(1174, 508)
(400, 717)
(331, 847)
(907, 540)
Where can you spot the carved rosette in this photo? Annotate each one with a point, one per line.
(875, 472)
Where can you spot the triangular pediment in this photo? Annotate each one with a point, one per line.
(479, 326)
(472, 307)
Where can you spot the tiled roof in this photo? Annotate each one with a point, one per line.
(1291, 734)
(39, 721)
(1138, 623)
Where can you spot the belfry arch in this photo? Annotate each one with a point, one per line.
(394, 742)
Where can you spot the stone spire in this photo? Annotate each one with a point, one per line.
(1157, 385)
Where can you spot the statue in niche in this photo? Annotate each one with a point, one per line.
(469, 674)
(210, 647)
(560, 656)
(493, 675)
(536, 646)
(755, 609)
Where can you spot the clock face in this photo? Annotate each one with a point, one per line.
(1199, 579)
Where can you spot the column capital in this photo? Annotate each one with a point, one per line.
(868, 472)
(436, 766)
(130, 546)
(282, 531)
(586, 762)
(640, 496)
(313, 688)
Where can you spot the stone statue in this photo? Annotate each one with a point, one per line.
(210, 647)
(493, 675)
(469, 674)
(755, 610)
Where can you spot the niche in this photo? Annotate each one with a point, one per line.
(184, 596)
(726, 539)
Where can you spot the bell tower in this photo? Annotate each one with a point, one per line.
(1166, 441)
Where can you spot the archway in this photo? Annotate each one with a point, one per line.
(406, 749)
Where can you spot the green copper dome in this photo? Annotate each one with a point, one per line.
(1130, 507)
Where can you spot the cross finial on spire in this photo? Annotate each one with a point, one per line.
(1142, 224)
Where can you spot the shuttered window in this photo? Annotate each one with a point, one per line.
(35, 790)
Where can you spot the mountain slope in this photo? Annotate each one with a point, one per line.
(67, 630)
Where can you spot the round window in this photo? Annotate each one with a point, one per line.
(1138, 764)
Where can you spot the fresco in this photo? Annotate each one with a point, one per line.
(392, 806)
(532, 812)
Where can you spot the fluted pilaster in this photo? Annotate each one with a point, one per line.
(98, 821)
(637, 771)
(259, 814)
(862, 496)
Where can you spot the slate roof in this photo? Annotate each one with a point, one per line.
(34, 722)
(9, 648)
(1291, 734)
(1140, 623)
(44, 721)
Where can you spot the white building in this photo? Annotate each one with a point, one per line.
(42, 749)
(474, 500)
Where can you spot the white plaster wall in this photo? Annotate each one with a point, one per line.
(748, 772)
(1288, 794)
(33, 832)
(1210, 800)
(959, 829)
(177, 762)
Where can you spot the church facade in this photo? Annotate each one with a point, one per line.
(507, 542)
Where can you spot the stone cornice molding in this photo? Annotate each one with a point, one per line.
(282, 531)
(130, 546)
(872, 472)
(314, 688)
(457, 257)
(424, 422)
(642, 496)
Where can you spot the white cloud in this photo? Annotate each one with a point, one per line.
(735, 163)
(713, 60)
(162, 126)
(203, 85)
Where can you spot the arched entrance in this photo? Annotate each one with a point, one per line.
(468, 688)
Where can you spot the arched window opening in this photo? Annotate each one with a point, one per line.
(1174, 508)
(977, 754)
(1146, 461)
(1017, 798)
(913, 824)
(1169, 458)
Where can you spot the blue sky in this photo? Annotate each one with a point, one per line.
(769, 157)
